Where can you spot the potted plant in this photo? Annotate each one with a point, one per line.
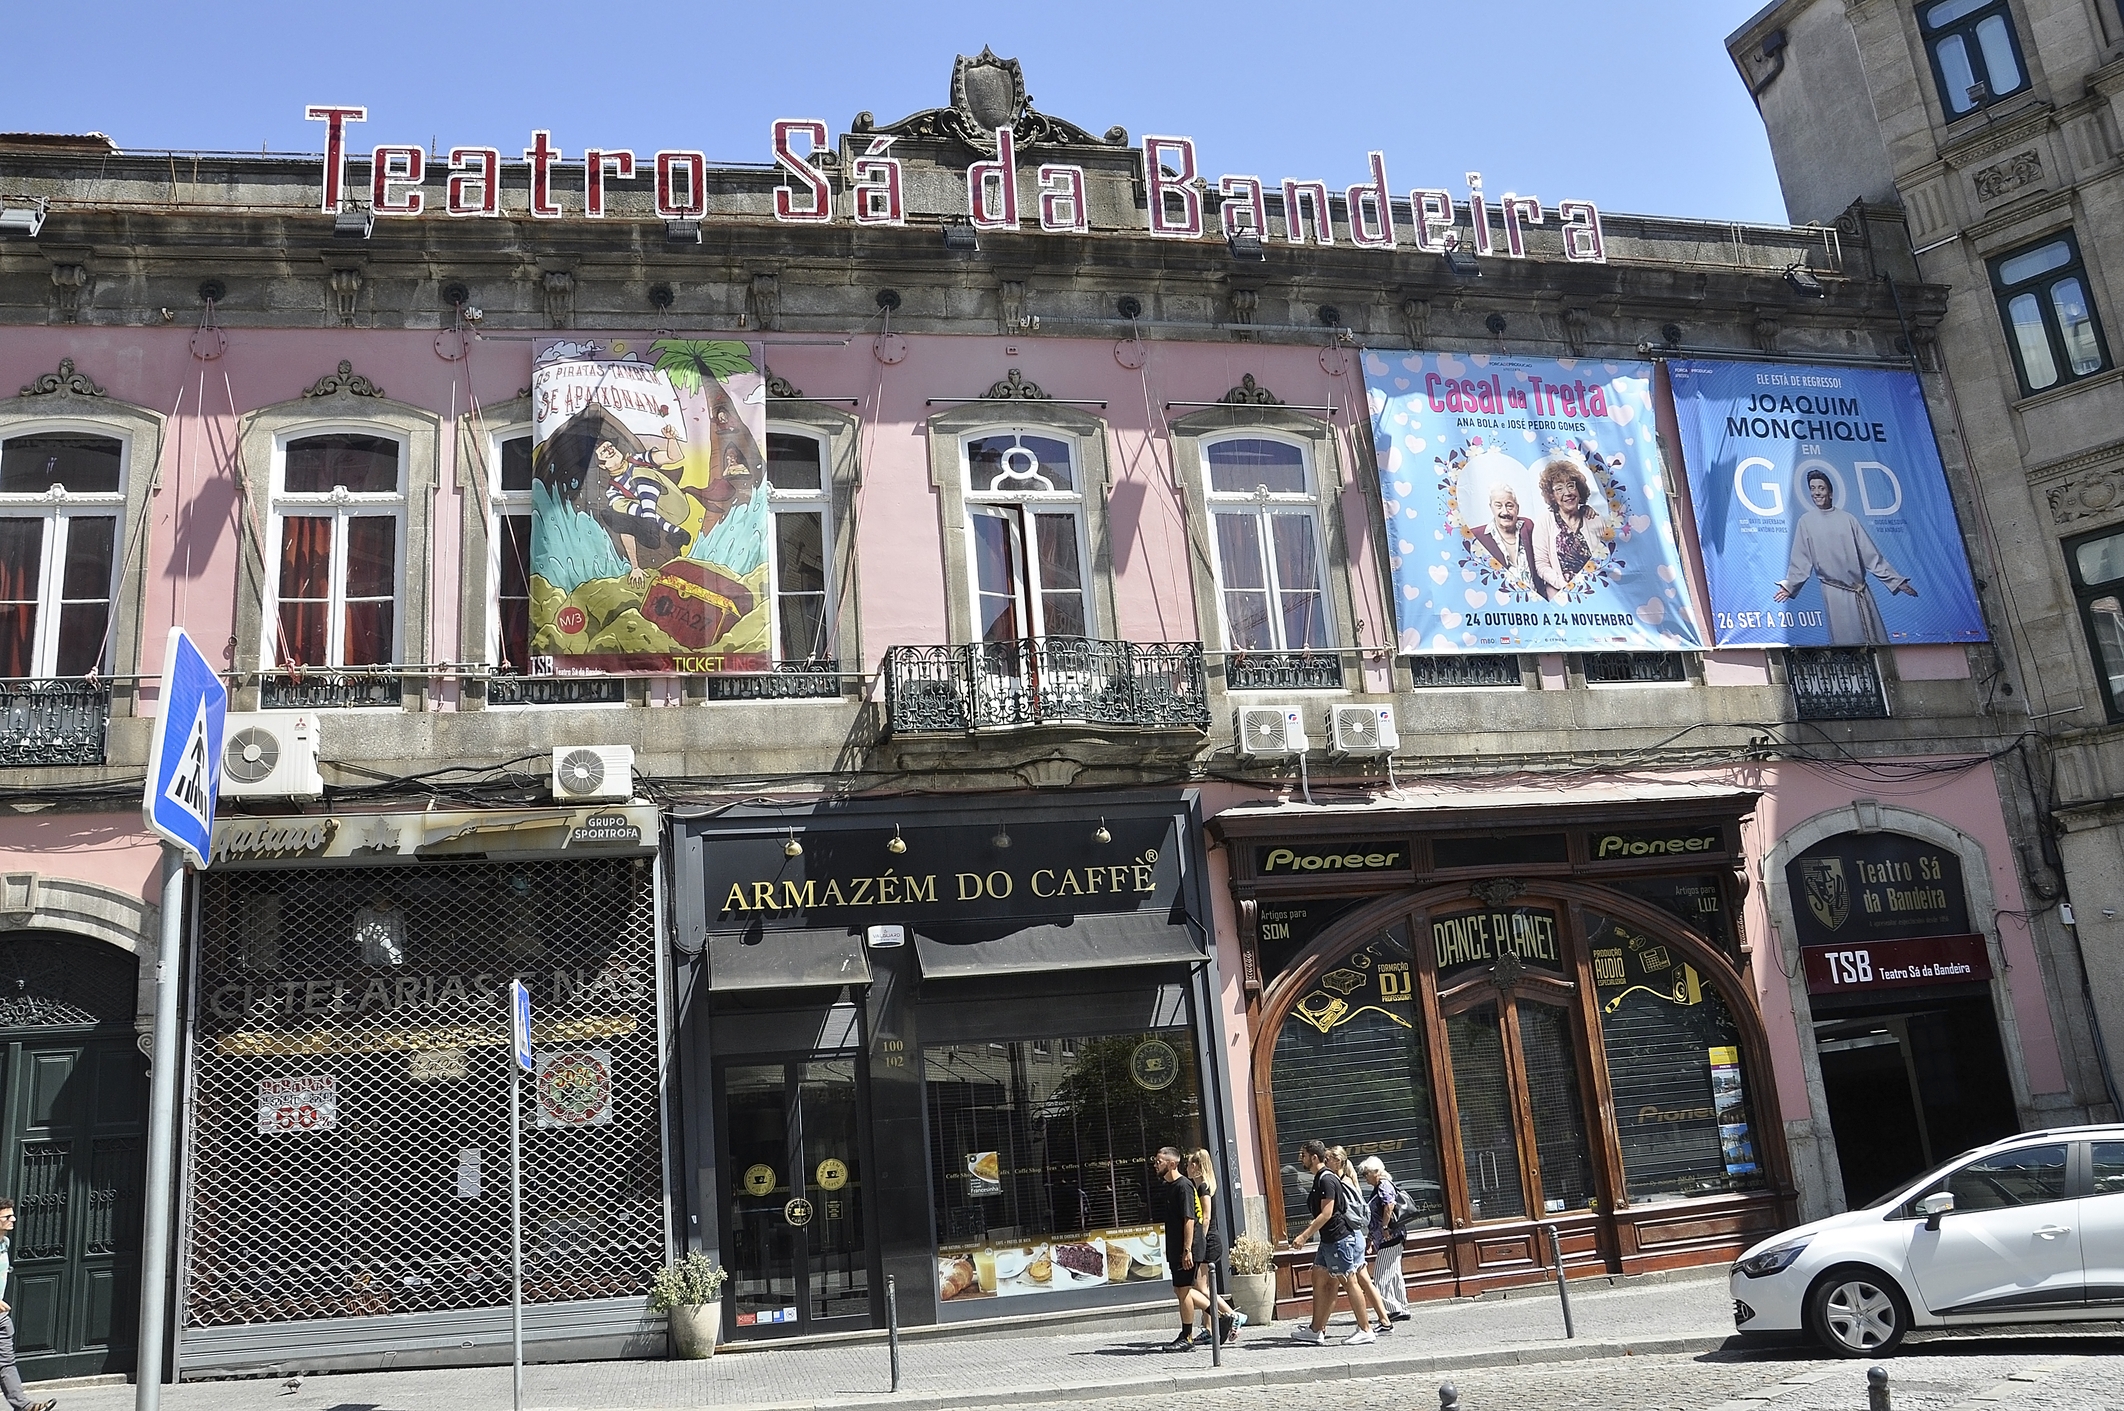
(1254, 1279)
(688, 1291)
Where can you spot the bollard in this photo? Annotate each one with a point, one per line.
(1563, 1292)
(1449, 1398)
(1877, 1389)
(1216, 1283)
(892, 1325)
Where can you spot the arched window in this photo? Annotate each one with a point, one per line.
(1025, 529)
(1473, 1044)
(1265, 509)
(337, 554)
(800, 489)
(62, 506)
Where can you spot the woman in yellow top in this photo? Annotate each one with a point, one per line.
(1202, 1172)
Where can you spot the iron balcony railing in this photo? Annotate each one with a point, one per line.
(1836, 683)
(1045, 681)
(54, 722)
(322, 688)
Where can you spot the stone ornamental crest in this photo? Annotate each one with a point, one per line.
(345, 380)
(64, 380)
(987, 94)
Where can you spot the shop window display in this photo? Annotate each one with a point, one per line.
(1682, 1114)
(1349, 1069)
(1040, 1156)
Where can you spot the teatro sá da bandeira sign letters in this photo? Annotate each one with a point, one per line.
(1178, 199)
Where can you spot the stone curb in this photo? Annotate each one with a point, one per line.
(1168, 1383)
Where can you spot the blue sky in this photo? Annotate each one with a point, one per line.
(1633, 105)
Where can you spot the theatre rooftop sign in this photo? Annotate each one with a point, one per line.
(990, 115)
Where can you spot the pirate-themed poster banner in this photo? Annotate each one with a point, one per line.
(1526, 506)
(649, 523)
(1822, 507)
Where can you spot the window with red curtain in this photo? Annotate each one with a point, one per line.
(60, 497)
(341, 519)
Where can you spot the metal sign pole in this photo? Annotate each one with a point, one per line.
(522, 1063)
(161, 1143)
(516, 1228)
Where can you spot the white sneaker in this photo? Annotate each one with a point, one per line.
(1360, 1337)
(1309, 1337)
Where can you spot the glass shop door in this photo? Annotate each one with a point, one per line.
(795, 1239)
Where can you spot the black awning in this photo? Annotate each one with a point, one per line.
(1078, 943)
(782, 960)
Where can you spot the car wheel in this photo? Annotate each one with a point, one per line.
(1857, 1313)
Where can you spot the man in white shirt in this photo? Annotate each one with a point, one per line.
(10, 1379)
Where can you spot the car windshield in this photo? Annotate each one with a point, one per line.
(1932, 1180)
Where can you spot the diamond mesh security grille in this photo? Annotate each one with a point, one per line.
(348, 1118)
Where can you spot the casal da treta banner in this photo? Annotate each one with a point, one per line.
(1822, 507)
(649, 520)
(1526, 506)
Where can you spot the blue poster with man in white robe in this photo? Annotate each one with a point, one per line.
(1822, 507)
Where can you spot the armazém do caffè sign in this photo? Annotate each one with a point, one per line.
(971, 871)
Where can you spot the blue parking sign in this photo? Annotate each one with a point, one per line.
(184, 772)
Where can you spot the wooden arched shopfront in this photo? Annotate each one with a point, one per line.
(1521, 1052)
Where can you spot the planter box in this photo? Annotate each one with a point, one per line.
(1255, 1296)
(693, 1329)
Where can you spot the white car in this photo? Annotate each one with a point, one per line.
(2026, 1230)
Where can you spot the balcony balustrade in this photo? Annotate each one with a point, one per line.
(1836, 683)
(1045, 681)
(54, 722)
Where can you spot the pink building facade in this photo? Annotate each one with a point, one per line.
(904, 956)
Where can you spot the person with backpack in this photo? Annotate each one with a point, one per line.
(1338, 1160)
(1392, 1210)
(1338, 1221)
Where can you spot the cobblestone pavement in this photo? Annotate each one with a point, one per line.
(1646, 1345)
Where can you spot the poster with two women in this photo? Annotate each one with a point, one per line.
(1526, 506)
(649, 520)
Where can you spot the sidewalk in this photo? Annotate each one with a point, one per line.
(936, 1372)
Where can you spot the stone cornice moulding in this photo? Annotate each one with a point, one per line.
(2002, 231)
(1968, 150)
(2078, 461)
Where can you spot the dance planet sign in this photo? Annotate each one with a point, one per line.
(1009, 191)
(1822, 507)
(1526, 506)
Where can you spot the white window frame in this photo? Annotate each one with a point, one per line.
(1264, 505)
(1027, 503)
(500, 505)
(820, 503)
(56, 510)
(342, 505)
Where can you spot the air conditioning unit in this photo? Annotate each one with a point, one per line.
(1270, 732)
(593, 773)
(270, 754)
(1363, 730)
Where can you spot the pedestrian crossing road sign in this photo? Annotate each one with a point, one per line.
(184, 772)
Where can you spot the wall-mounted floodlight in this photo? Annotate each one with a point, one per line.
(1245, 245)
(1458, 262)
(682, 232)
(1803, 279)
(960, 238)
(25, 220)
(355, 224)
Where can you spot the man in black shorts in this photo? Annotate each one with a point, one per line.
(1173, 1203)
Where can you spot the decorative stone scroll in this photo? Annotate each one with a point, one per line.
(779, 386)
(345, 380)
(1015, 388)
(1250, 393)
(64, 380)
